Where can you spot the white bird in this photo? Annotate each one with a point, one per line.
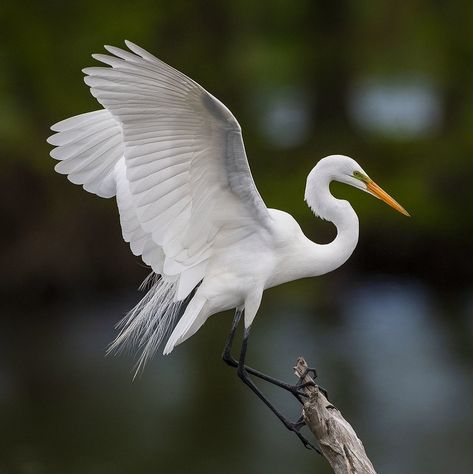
(173, 155)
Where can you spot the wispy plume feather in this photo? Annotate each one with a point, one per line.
(150, 321)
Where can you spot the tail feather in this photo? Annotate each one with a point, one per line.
(150, 321)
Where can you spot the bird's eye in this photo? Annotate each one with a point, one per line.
(359, 175)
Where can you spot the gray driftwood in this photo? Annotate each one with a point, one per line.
(338, 441)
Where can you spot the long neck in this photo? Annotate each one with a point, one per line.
(325, 258)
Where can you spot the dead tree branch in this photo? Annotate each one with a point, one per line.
(338, 441)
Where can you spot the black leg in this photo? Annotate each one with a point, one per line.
(243, 374)
(228, 358)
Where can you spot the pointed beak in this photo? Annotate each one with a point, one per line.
(376, 191)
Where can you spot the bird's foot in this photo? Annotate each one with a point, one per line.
(308, 371)
(296, 428)
(311, 383)
(298, 389)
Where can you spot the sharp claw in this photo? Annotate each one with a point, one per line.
(309, 383)
(313, 371)
(325, 393)
(307, 371)
(296, 428)
(307, 444)
(299, 424)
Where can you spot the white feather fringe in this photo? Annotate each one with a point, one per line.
(150, 321)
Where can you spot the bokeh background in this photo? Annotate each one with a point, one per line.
(388, 83)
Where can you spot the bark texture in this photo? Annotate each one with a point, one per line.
(338, 441)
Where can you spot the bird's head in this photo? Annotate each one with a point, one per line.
(346, 170)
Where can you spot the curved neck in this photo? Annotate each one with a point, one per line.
(328, 257)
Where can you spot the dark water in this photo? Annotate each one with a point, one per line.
(395, 358)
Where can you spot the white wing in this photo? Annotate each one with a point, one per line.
(185, 176)
(88, 147)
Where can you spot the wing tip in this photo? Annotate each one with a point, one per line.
(122, 53)
(51, 139)
(141, 52)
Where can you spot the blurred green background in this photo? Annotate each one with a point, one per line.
(388, 83)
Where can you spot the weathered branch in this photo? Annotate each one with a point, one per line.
(338, 441)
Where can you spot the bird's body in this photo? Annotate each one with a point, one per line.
(243, 269)
(173, 156)
(239, 271)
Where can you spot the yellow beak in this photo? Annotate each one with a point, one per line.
(375, 190)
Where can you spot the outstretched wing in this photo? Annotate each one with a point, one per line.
(185, 175)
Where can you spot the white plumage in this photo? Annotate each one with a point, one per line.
(173, 156)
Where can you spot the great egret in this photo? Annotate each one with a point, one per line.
(173, 156)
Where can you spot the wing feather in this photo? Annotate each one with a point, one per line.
(88, 147)
(176, 158)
